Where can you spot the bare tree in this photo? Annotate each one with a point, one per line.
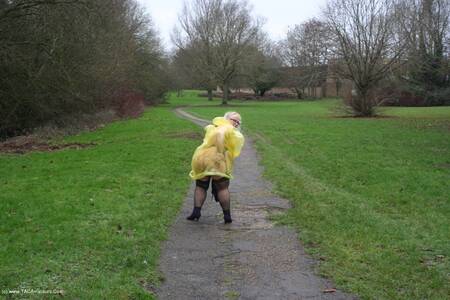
(236, 31)
(424, 24)
(306, 50)
(221, 31)
(308, 43)
(368, 46)
(194, 40)
(262, 65)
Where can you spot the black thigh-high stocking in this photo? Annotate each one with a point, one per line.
(199, 196)
(224, 198)
(201, 187)
(223, 195)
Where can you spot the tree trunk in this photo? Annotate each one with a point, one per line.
(338, 85)
(225, 94)
(299, 94)
(366, 104)
(210, 96)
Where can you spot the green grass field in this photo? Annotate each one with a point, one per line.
(370, 199)
(90, 221)
(370, 196)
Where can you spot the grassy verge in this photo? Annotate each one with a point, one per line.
(370, 196)
(90, 221)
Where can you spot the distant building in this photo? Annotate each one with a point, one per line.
(306, 82)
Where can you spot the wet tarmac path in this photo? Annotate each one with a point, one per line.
(248, 259)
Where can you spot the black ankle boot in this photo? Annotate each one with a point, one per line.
(195, 214)
(227, 216)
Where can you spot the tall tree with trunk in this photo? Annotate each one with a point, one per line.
(236, 31)
(367, 46)
(221, 31)
(194, 40)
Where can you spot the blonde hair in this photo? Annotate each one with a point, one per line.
(228, 115)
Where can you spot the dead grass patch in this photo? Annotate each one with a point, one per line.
(33, 143)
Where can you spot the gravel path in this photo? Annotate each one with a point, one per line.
(248, 259)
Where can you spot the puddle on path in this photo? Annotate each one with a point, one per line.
(251, 217)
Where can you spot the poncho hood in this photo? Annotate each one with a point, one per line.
(220, 121)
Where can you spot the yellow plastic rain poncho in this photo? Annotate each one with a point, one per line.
(221, 145)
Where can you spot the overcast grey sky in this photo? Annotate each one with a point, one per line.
(279, 14)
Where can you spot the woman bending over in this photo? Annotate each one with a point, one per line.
(212, 162)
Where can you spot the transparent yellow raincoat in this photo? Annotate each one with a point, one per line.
(221, 145)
